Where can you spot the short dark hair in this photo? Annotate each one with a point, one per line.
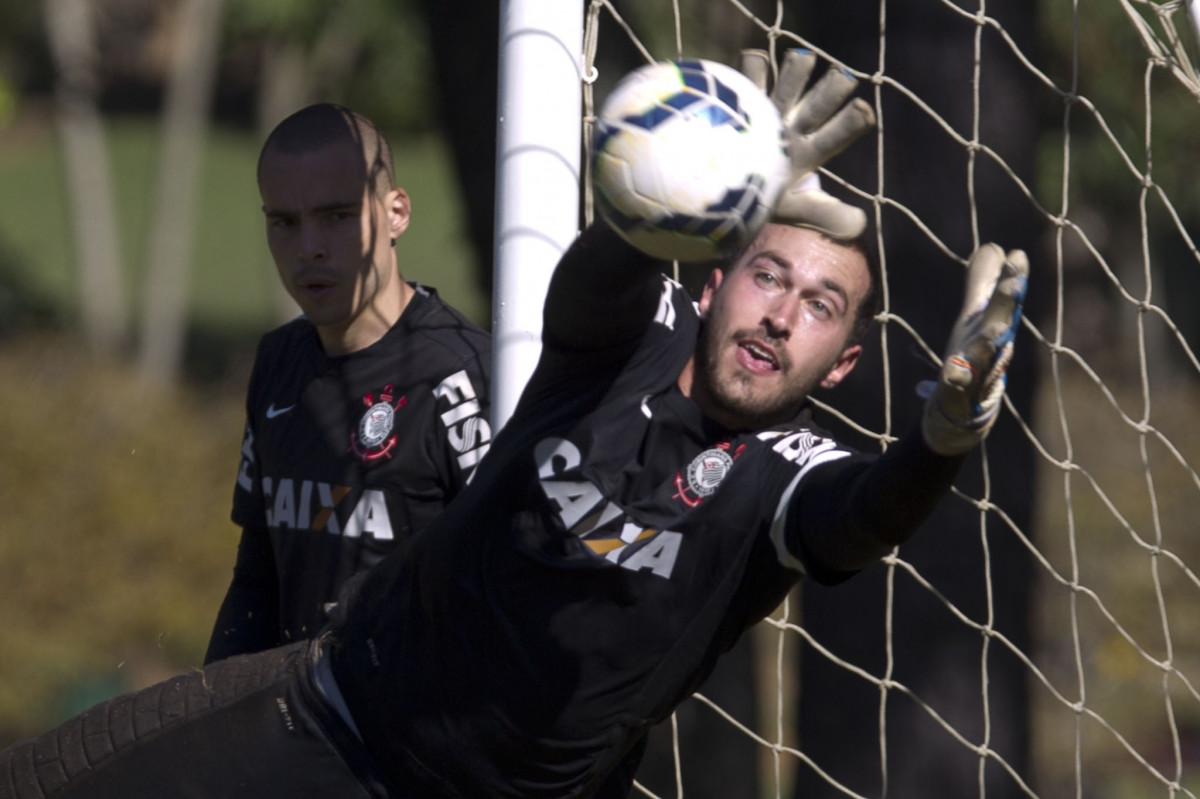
(323, 124)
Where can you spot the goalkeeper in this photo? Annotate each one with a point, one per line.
(658, 490)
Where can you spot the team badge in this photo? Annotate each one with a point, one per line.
(375, 439)
(704, 474)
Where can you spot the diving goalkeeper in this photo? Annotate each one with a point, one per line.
(659, 488)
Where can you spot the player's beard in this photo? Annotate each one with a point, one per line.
(734, 393)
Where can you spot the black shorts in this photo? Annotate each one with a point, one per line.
(249, 727)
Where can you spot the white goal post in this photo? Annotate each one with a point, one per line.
(537, 178)
(1110, 657)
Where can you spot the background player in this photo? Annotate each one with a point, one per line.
(658, 489)
(364, 416)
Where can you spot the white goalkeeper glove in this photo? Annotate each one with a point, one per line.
(819, 124)
(962, 405)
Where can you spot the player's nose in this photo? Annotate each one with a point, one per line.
(313, 246)
(780, 317)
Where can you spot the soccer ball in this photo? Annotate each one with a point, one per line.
(688, 159)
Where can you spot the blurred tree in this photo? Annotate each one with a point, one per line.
(69, 28)
(23, 43)
(185, 120)
(368, 54)
(464, 50)
(1105, 197)
(23, 307)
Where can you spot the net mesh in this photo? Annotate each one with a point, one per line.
(1109, 651)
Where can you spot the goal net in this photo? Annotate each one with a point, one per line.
(1039, 636)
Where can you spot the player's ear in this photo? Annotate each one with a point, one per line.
(710, 288)
(842, 366)
(399, 209)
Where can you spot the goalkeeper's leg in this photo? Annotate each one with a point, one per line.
(249, 726)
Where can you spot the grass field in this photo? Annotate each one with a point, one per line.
(115, 543)
(233, 286)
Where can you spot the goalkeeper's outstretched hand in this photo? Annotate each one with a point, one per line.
(963, 404)
(819, 124)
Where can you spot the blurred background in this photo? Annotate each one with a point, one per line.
(135, 282)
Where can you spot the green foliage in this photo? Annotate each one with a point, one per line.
(300, 19)
(233, 282)
(394, 84)
(8, 102)
(23, 50)
(33, 219)
(1103, 43)
(379, 46)
(115, 543)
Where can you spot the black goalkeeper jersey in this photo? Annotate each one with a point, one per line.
(612, 546)
(345, 457)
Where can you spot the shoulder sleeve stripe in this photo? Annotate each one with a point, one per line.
(779, 521)
(665, 315)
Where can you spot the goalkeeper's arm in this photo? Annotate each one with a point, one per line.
(849, 515)
(603, 293)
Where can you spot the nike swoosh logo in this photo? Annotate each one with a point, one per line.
(272, 411)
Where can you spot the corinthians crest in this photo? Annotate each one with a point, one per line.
(704, 474)
(374, 438)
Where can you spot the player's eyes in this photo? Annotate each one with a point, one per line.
(826, 308)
